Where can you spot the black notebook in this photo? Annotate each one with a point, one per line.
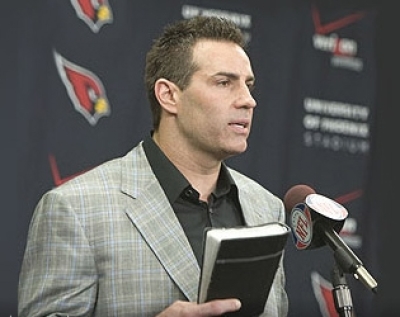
(241, 262)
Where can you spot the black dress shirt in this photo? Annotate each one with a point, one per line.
(222, 210)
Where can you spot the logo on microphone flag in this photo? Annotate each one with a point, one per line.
(301, 223)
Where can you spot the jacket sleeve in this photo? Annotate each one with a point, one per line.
(58, 275)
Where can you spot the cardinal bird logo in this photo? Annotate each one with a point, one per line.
(95, 13)
(84, 89)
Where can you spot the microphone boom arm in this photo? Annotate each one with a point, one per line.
(345, 257)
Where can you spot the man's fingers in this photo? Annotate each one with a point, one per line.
(219, 307)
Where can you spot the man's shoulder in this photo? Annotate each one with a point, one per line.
(255, 195)
(243, 179)
(249, 184)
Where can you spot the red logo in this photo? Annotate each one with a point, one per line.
(55, 172)
(84, 89)
(328, 27)
(344, 51)
(301, 222)
(94, 13)
(323, 293)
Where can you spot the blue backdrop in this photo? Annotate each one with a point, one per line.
(79, 100)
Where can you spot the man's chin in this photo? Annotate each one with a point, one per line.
(234, 151)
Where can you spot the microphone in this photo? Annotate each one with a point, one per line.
(316, 221)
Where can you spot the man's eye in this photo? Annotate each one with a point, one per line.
(223, 82)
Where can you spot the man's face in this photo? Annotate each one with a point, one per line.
(216, 109)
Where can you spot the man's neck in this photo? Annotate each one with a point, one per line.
(202, 173)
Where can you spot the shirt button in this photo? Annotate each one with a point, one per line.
(189, 192)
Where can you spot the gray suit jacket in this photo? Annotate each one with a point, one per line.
(108, 243)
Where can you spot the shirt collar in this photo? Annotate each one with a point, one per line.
(171, 179)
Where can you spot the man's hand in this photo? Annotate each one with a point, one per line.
(209, 309)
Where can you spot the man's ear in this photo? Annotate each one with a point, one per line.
(166, 93)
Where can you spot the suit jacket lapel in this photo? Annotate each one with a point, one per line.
(153, 216)
(251, 212)
(256, 209)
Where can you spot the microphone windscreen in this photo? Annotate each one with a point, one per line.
(295, 195)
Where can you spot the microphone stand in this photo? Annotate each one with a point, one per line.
(341, 293)
(346, 262)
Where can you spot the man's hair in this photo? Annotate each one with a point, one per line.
(171, 55)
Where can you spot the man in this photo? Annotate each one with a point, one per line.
(125, 239)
